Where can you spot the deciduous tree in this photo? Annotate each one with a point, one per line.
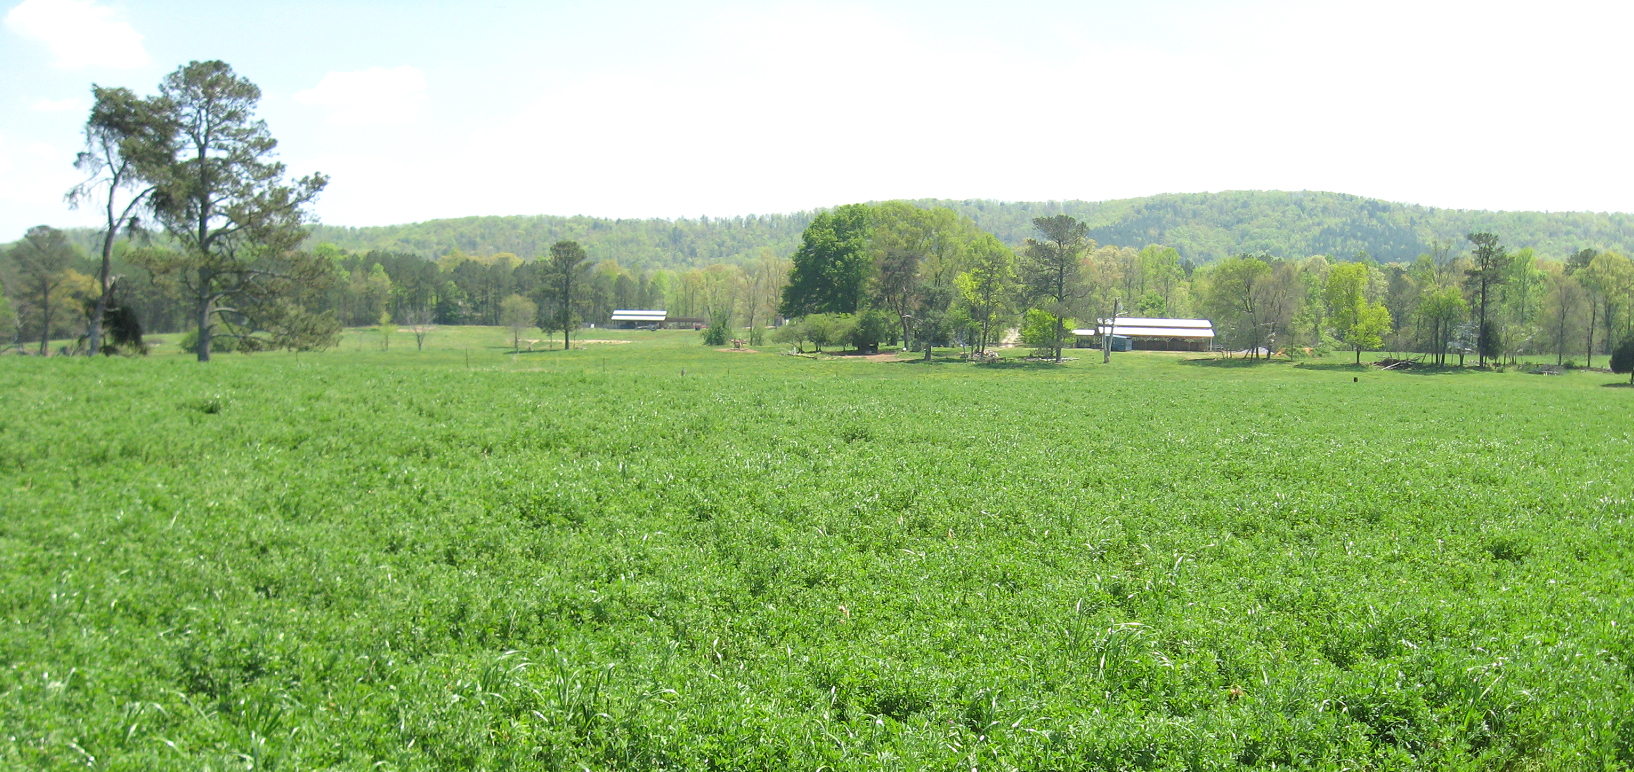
(1234, 294)
(1490, 268)
(830, 268)
(1440, 311)
(1358, 322)
(989, 285)
(899, 242)
(517, 313)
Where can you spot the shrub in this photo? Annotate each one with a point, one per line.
(1622, 359)
(716, 333)
(1038, 328)
(828, 329)
(869, 329)
(796, 333)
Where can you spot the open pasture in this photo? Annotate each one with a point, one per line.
(467, 559)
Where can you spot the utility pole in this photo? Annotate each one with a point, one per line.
(1107, 331)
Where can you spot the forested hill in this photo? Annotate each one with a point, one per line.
(1208, 226)
(635, 244)
(1202, 226)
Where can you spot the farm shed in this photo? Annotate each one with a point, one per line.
(637, 318)
(629, 318)
(1149, 334)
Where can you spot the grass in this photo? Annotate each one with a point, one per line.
(467, 559)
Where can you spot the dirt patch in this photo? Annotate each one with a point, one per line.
(737, 351)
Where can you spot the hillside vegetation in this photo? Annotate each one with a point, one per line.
(1203, 226)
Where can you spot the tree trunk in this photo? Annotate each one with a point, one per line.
(203, 321)
(1480, 332)
(101, 311)
(45, 322)
(1592, 319)
(205, 306)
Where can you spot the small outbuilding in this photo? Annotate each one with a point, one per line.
(1150, 334)
(634, 318)
(652, 319)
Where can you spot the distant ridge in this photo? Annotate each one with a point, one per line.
(1203, 226)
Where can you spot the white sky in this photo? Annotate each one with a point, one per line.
(420, 110)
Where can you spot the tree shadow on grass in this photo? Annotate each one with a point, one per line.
(939, 359)
(1346, 367)
(1233, 362)
(1017, 364)
(1369, 368)
(1435, 370)
(1619, 385)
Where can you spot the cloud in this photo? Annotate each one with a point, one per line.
(374, 96)
(57, 105)
(79, 33)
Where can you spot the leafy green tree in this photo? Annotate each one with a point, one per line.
(763, 285)
(1160, 275)
(1051, 272)
(899, 242)
(223, 200)
(1609, 278)
(1520, 297)
(1564, 306)
(1234, 294)
(1490, 269)
(375, 291)
(1359, 323)
(518, 313)
(562, 289)
(1151, 304)
(830, 268)
(41, 263)
(384, 328)
(1440, 311)
(990, 284)
(122, 128)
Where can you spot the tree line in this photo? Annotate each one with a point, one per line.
(937, 278)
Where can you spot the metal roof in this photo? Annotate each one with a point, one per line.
(1144, 327)
(1146, 321)
(639, 316)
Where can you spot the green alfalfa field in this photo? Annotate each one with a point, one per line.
(657, 555)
